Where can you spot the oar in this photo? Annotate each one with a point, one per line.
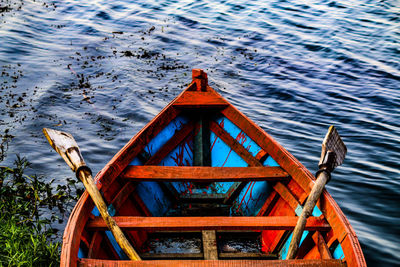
(332, 155)
(65, 145)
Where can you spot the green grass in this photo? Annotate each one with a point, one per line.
(21, 245)
(29, 205)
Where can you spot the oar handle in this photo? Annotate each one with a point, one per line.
(322, 178)
(85, 176)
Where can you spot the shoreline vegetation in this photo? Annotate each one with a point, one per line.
(29, 206)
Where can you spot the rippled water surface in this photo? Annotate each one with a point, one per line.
(102, 69)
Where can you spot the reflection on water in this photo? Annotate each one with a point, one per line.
(101, 70)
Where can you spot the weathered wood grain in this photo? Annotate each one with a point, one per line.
(307, 211)
(210, 223)
(204, 174)
(204, 100)
(209, 239)
(234, 144)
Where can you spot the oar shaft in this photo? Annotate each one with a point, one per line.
(65, 144)
(93, 191)
(308, 208)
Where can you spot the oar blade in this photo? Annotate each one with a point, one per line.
(65, 145)
(333, 142)
(60, 141)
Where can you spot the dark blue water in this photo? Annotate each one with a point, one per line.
(102, 69)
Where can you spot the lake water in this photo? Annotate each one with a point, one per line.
(102, 69)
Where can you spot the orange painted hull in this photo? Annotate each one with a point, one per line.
(261, 184)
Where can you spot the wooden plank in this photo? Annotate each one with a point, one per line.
(233, 192)
(209, 238)
(306, 247)
(336, 217)
(73, 230)
(110, 249)
(342, 230)
(213, 263)
(84, 238)
(268, 204)
(113, 190)
(203, 174)
(322, 247)
(347, 245)
(139, 203)
(330, 238)
(261, 155)
(313, 254)
(123, 195)
(204, 100)
(210, 223)
(272, 239)
(95, 244)
(282, 190)
(297, 191)
(170, 191)
(171, 144)
(234, 144)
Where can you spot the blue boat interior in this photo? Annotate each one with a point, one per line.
(205, 199)
(247, 202)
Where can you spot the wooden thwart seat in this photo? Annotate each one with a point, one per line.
(204, 174)
(210, 223)
(197, 99)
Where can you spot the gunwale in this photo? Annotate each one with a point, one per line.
(213, 263)
(301, 177)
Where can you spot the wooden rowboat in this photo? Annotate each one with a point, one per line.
(201, 184)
